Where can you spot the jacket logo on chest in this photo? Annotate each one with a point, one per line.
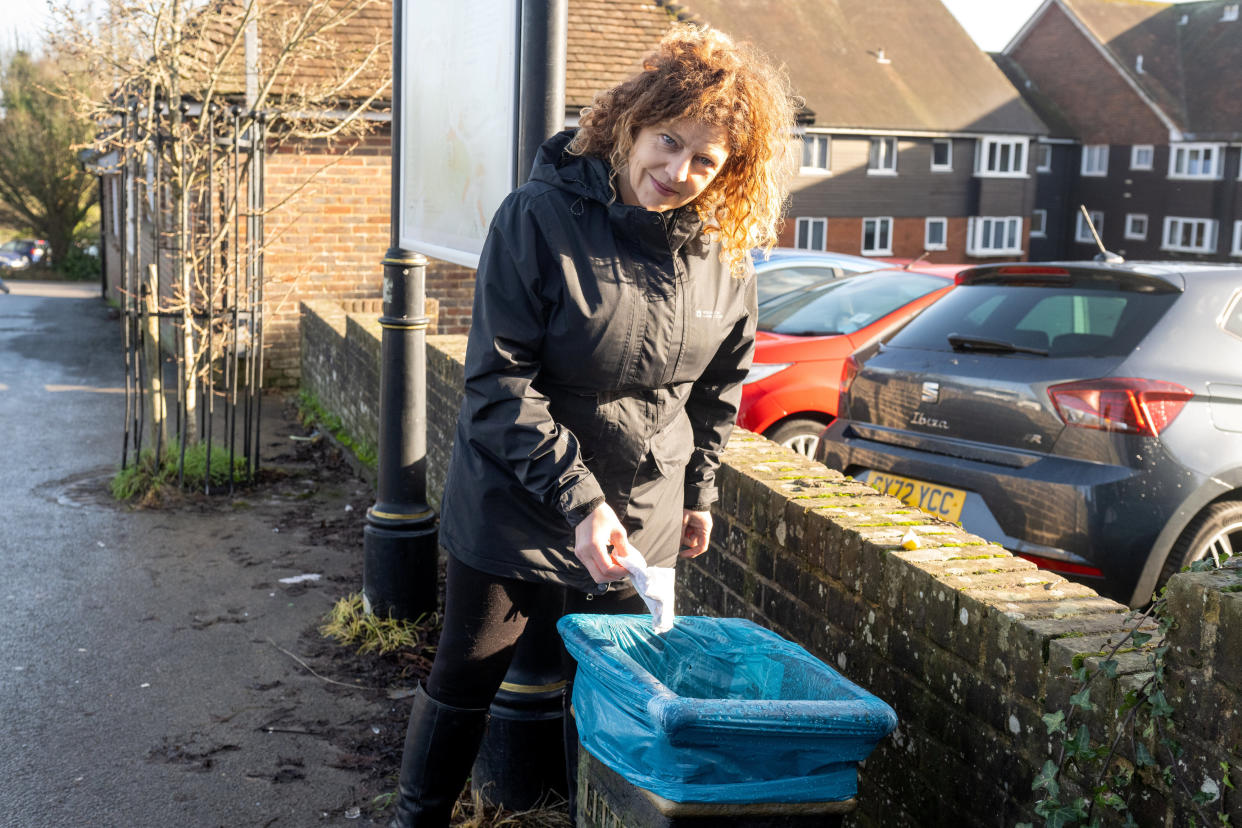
(708, 314)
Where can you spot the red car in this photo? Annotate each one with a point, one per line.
(805, 335)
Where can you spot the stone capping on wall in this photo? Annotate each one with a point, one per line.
(969, 644)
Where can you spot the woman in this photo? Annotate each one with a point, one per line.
(613, 325)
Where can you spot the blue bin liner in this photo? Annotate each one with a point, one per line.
(718, 710)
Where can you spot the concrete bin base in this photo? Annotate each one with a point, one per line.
(606, 800)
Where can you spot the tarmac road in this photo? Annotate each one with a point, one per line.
(145, 668)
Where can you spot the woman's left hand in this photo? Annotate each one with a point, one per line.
(696, 532)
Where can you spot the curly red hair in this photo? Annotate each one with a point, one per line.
(699, 73)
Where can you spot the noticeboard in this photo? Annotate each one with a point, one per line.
(459, 68)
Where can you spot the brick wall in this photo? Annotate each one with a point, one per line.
(339, 344)
(326, 239)
(453, 287)
(970, 645)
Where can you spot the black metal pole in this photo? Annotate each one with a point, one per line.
(541, 78)
(522, 757)
(400, 555)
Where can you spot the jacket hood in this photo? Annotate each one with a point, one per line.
(589, 177)
(582, 175)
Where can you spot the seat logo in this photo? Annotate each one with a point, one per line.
(931, 392)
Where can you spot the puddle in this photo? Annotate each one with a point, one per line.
(85, 489)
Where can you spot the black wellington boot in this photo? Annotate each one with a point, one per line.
(440, 744)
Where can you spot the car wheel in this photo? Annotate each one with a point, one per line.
(1214, 532)
(801, 435)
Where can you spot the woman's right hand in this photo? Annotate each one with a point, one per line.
(592, 538)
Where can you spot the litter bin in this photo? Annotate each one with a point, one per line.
(716, 722)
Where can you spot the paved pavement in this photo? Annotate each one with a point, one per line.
(147, 658)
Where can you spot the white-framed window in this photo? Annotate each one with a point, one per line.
(1043, 158)
(1189, 235)
(1237, 239)
(993, 235)
(812, 234)
(882, 159)
(1000, 156)
(1229, 13)
(942, 155)
(816, 153)
(936, 233)
(1195, 160)
(1095, 159)
(1039, 224)
(1141, 156)
(877, 236)
(1082, 230)
(1136, 226)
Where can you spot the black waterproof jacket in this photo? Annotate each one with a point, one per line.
(605, 359)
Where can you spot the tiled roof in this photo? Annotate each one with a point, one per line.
(348, 32)
(932, 77)
(1191, 58)
(606, 43)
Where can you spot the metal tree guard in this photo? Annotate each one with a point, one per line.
(192, 273)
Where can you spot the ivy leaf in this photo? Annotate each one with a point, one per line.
(1055, 722)
(1160, 705)
(1109, 668)
(1140, 638)
(1110, 799)
(1046, 779)
(1065, 815)
(1143, 756)
(1078, 746)
(1082, 699)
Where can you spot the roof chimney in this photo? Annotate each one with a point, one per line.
(879, 57)
(1138, 64)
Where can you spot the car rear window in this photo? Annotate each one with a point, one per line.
(842, 306)
(1062, 320)
(782, 280)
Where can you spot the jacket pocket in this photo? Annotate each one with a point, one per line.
(671, 446)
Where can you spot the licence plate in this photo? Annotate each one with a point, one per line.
(941, 501)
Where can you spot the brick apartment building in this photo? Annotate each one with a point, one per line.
(1149, 93)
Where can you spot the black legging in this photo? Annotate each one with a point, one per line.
(483, 617)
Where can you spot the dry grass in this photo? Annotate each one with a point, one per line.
(349, 623)
(471, 812)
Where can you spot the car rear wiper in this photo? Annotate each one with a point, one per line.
(959, 342)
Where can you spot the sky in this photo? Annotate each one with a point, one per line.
(990, 22)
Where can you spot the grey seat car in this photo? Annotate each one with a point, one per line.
(1086, 416)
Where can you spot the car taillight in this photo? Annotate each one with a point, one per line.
(848, 372)
(1132, 406)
